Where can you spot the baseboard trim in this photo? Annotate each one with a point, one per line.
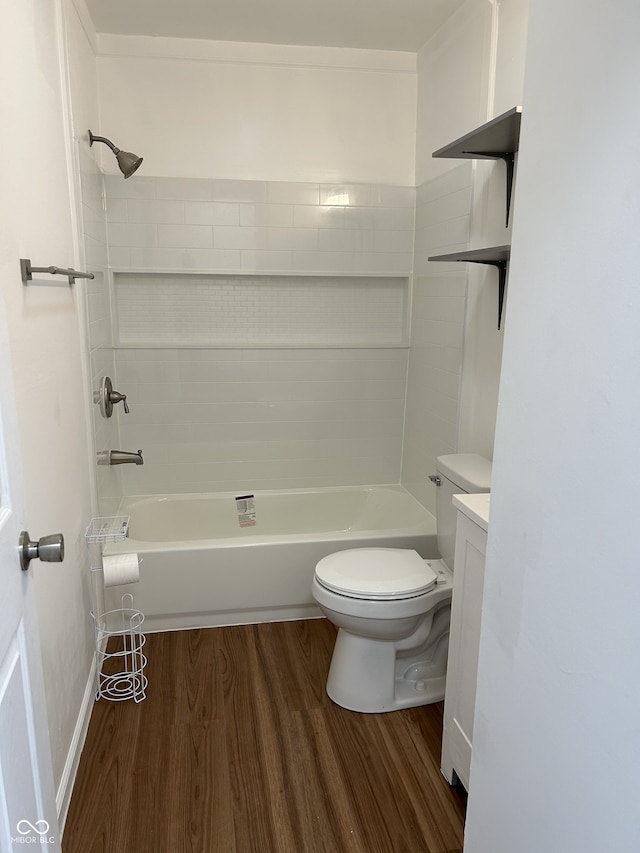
(65, 789)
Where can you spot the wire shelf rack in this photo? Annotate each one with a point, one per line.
(110, 529)
(119, 656)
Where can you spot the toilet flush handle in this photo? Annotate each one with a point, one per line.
(435, 479)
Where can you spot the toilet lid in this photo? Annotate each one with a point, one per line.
(376, 573)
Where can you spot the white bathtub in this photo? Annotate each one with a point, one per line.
(200, 568)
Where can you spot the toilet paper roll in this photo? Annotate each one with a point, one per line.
(120, 568)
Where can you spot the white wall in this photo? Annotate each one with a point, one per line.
(505, 50)
(453, 81)
(470, 71)
(45, 319)
(203, 109)
(83, 83)
(556, 740)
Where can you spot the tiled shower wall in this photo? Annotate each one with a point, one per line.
(229, 419)
(101, 354)
(259, 226)
(443, 207)
(276, 407)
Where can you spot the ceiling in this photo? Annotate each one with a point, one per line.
(376, 24)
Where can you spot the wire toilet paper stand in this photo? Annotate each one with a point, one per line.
(119, 640)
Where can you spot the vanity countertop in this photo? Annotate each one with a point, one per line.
(475, 507)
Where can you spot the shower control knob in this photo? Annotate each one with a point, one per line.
(435, 479)
(117, 397)
(107, 397)
(49, 549)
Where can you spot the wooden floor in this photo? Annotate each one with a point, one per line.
(238, 749)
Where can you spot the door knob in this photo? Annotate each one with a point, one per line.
(49, 549)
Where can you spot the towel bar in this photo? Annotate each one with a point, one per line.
(27, 271)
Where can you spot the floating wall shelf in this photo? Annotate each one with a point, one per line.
(498, 139)
(496, 256)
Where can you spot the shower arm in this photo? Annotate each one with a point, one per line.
(93, 138)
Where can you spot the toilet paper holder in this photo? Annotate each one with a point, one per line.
(118, 637)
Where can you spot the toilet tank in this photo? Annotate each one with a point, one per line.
(458, 473)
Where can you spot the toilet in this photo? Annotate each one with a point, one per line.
(392, 607)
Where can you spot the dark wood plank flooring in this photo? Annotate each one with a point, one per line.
(237, 748)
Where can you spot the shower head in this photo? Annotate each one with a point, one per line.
(127, 161)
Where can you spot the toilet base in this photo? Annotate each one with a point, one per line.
(373, 677)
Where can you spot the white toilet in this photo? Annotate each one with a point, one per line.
(392, 607)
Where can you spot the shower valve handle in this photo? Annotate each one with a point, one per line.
(117, 397)
(107, 397)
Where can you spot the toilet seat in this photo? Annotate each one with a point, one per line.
(380, 574)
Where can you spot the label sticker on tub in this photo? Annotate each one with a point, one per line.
(246, 507)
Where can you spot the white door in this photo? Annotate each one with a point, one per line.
(27, 802)
(32, 218)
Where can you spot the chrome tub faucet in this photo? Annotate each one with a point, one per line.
(120, 457)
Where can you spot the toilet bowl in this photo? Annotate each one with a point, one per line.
(392, 608)
(391, 648)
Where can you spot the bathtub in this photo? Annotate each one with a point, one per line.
(229, 559)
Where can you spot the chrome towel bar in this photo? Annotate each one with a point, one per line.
(27, 271)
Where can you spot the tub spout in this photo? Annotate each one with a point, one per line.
(120, 457)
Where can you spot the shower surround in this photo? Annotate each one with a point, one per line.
(315, 398)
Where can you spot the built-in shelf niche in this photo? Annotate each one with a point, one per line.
(496, 256)
(206, 310)
(498, 139)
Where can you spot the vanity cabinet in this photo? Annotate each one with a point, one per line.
(464, 636)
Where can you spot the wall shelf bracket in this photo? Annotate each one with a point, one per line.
(495, 256)
(509, 159)
(502, 283)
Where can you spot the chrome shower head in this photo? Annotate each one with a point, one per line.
(127, 161)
